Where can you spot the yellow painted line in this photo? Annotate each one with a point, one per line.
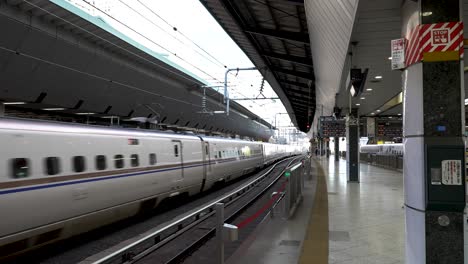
(441, 56)
(315, 246)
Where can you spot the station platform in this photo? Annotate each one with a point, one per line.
(337, 221)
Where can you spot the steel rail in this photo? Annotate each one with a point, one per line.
(209, 234)
(127, 254)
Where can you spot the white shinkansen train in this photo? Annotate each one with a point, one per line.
(383, 149)
(59, 180)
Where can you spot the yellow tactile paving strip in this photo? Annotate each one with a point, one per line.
(315, 246)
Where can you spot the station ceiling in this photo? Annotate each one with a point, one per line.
(274, 35)
(53, 58)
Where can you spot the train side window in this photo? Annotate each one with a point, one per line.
(152, 158)
(19, 168)
(176, 151)
(219, 154)
(79, 164)
(134, 160)
(119, 161)
(101, 163)
(52, 165)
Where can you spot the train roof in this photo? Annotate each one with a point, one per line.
(62, 127)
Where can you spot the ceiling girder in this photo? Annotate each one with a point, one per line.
(300, 74)
(298, 90)
(290, 2)
(298, 84)
(295, 59)
(280, 34)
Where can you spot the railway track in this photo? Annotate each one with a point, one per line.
(179, 239)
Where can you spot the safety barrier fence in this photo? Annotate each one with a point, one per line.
(289, 194)
(386, 161)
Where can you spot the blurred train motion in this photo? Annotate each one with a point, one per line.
(59, 180)
(383, 149)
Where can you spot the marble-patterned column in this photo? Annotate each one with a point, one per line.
(352, 146)
(337, 148)
(434, 173)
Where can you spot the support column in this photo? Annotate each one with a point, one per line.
(2, 110)
(327, 147)
(320, 146)
(370, 122)
(434, 173)
(352, 146)
(337, 148)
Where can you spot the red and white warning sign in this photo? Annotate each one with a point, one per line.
(438, 37)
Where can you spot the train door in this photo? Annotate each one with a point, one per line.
(208, 157)
(178, 155)
(206, 163)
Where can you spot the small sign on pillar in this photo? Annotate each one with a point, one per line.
(398, 54)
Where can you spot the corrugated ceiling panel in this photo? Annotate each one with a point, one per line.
(330, 25)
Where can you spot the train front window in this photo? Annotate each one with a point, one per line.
(79, 164)
(119, 161)
(19, 168)
(134, 160)
(101, 163)
(52, 165)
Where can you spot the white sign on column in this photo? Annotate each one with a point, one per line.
(398, 54)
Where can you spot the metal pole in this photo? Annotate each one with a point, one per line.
(226, 93)
(219, 231)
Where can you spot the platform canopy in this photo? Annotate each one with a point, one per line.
(274, 35)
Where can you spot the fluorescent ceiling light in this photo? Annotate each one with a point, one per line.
(378, 77)
(54, 109)
(427, 13)
(399, 114)
(358, 104)
(390, 117)
(85, 113)
(466, 101)
(389, 58)
(362, 98)
(109, 117)
(378, 111)
(14, 103)
(372, 113)
(369, 89)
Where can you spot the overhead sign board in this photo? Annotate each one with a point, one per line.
(398, 54)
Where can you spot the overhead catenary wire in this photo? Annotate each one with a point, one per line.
(180, 32)
(118, 46)
(135, 31)
(185, 36)
(148, 39)
(94, 75)
(215, 61)
(110, 42)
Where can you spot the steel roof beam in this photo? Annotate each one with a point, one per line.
(300, 74)
(303, 93)
(297, 84)
(291, 2)
(280, 34)
(295, 59)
